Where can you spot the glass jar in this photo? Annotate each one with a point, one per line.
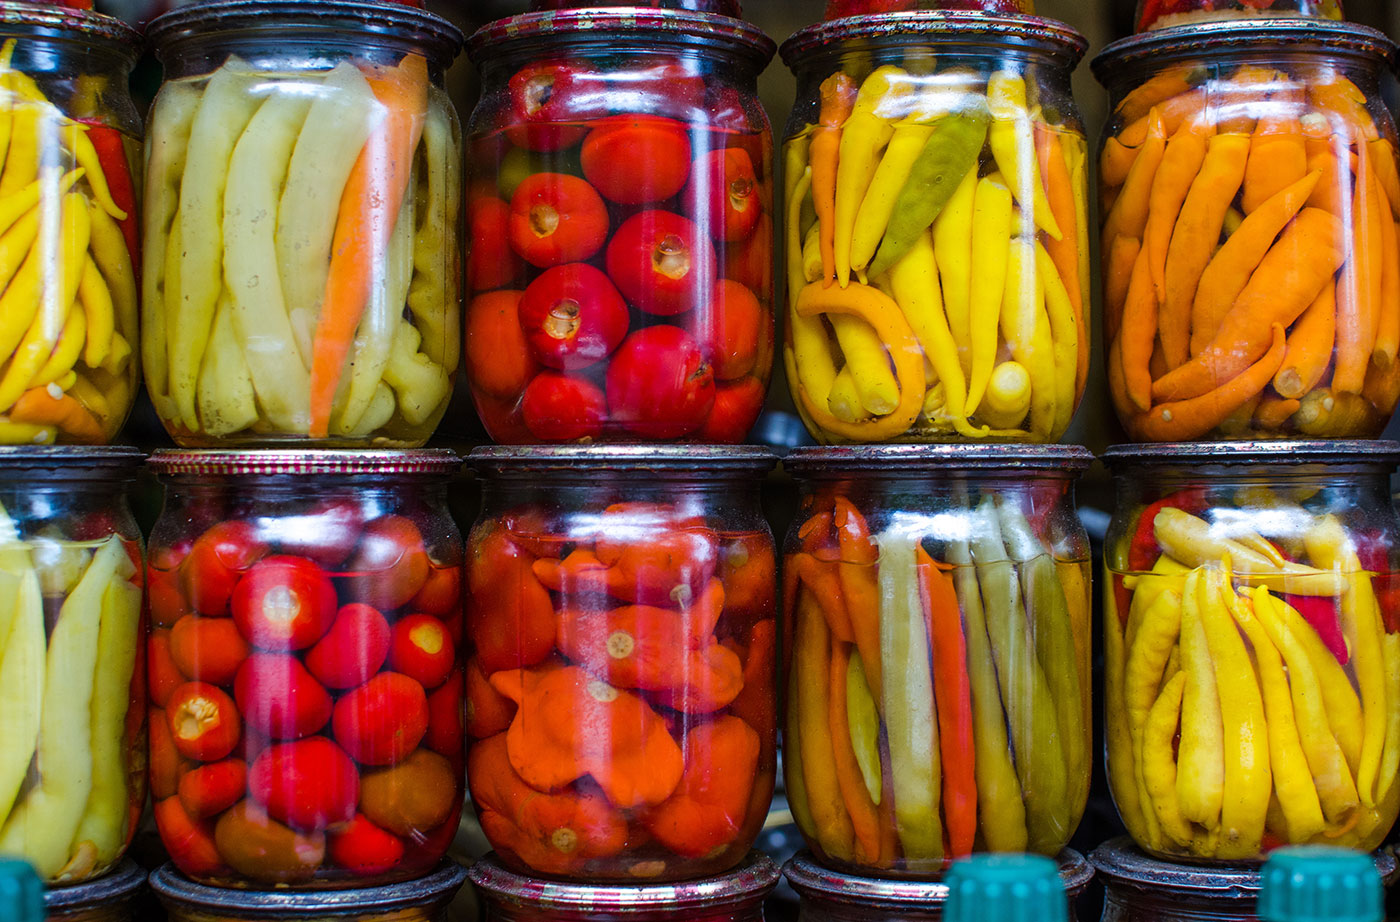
(1251, 640)
(949, 122)
(422, 900)
(1139, 888)
(111, 898)
(621, 695)
(302, 187)
(938, 612)
(1161, 14)
(827, 896)
(621, 232)
(734, 897)
(68, 226)
(1253, 296)
(305, 666)
(72, 767)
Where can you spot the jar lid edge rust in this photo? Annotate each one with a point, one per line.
(173, 887)
(1050, 34)
(83, 25)
(238, 462)
(508, 459)
(66, 457)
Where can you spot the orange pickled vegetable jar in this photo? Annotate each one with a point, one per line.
(1250, 263)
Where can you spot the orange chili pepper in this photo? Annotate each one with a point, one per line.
(824, 581)
(859, 584)
(709, 809)
(654, 555)
(756, 702)
(488, 711)
(580, 573)
(865, 816)
(749, 570)
(510, 616)
(704, 613)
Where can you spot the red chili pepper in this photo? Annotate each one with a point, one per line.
(111, 155)
(1143, 552)
(1322, 614)
(1374, 553)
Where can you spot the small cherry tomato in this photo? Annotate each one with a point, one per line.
(166, 764)
(216, 561)
(352, 650)
(659, 385)
(189, 841)
(279, 698)
(563, 408)
(383, 720)
(662, 263)
(502, 419)
(391, 564)
(737, 319)
(208, 649)
(163, 675)
(491, 263)
(446, 734)
(541, 95)
(412, 797)
(262, 849)
(750, 261)
(203, 722)
(309, 784)
(421, 649)
(572, 316)
(723, 194)
(736, 409)
(441, 595)
(637, 159)
(665, 86)
(499, 360)
(211, 789)
(325, 532)
(284, 603)
(364, 849)
(556, 218)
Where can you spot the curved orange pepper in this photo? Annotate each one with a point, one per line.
(756, 704)
(824, 581)
(655, 555)
(580, 573)
(709, 809)
(510, 616)
(487, 711)
(860, 584)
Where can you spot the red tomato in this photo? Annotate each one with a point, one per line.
(491, 263)
(540, 96)
(572, 316)
(499, 361)
(661, 262)
(441, 595)
(391, 564)
(502, 419)
(556, 218)
(189, 842)
(211, 789)
(637, 159)
(279, 698)
(383, 720)
(562, 408)
(446, 715)
(309, 784)
(163, 676)
(284, 603)
(750, 261)
(166, 763)
(659, 385)
(325, 533)
(723, 194)
(203, 722)
(421, 649)
(352, 650)
(215, 563)
(737, 318)
(672, 87)
(208, 649)
(364, 849)
(164, 599)
(737, 406)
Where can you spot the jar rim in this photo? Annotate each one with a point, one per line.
(1120, 861)
(439, 38)
(1279, 453)
(904, 459)
(1213, 38)
(1015, 29)
(70, 458)
(73, 25)
(505, 460)
(304, 463)
(118, 883)
(437, 887)
(811, 879)
(752, 880)
(680, 26)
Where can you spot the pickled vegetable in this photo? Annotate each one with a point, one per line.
(1161, 14)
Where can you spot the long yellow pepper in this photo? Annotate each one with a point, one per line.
(952, 248)
(991, 246)
(1012, 139)
(1026, 327)
(906, 143)
(864, 135)
(1200, 780)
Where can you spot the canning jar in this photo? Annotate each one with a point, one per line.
(938, 616)
(736, 896)
(305, 671)
(1251, 275)
(68, 225)
(1251, 644)
(113, 897)
(936, 229)
(621, 694)
(621, 233)
(72, 764)
(1139, 888)
(829, 896)
(423, 900)
(302, 193)
(1160, 14)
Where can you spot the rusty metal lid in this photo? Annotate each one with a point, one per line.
(116, 886)
(532, 460)
(749, 883)
(276, 19)
(176, 890)
(941, 27)
(606, 26)
(32, 20)
(814, 882)
(909, 459)
(73, 462)
(310, 463)
(1277, 453)
(1210, 40)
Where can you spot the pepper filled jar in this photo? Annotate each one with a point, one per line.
(622, 618)
(72, 766)
(69, 254)
(621, 233)
(304, 663)
(936, 229)
(1250, 189)
(1251, 640)
(938, 683)
(302, 194)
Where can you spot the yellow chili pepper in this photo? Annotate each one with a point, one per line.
(906, 143)
(1025, 326)
(1065, 333)
(816, 370)
(865, 133)
(1156, 764)
(1126, 794)
(1200, 780)
(952, 248)
(1012, 139)
(1008, 396)
(991, 246)
(1191, 540)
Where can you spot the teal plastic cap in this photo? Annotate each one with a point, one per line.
(1318, 883)
(1007, 888)
(21, 892)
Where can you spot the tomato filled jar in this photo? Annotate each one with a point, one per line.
(938, 616)
(304, 666)
(622, 621)
(621, 228)
(1162, 14)
(302, 195)
(68, 225)
(936, 243)
(1251, 644)
(1250, 190)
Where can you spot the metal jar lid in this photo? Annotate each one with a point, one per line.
(663, 461)
(903, 897)
(911, 460)
(747, 884)
(1279, 454)
(309, 463)
(70, 462)
(110, 890)
(941, 27)
(33, 20)
(181, 895)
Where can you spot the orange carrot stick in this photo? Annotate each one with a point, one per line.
(369, 206)
(1138, 335)
(865, 816)
(1309, 347)
(1359, 290)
